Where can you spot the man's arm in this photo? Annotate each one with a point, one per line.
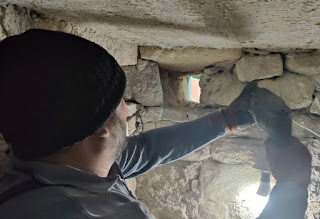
(287, 201)
(291, 167)
(160, 146)
(164, 145)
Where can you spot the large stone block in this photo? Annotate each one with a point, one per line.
(306, 126)
(125, 53)
(219, 86)
(132, 108)
(237, 150)
(131, 125)
(143, 83)
(250, 68)
(316, 82)
(304, 63)
(229, 191)
(188, 58)
(3, 35)
(177, 115)
(296, 90)
(167, 190)
(16, 20)
(315, 107)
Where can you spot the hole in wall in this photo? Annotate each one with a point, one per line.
(194, 89)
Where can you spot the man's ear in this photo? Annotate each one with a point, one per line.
(103, 132)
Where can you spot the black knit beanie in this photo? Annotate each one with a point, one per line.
(56, 89)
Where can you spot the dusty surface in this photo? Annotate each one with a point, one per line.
(202, 23)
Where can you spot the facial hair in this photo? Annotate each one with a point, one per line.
(119, 136)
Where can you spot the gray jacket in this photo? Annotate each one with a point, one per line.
(66, 192)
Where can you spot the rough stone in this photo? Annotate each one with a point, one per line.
(151, 114)
(219, 86)
(149, 126)
(125, 53)
(304, 63)
(167, 190)
(207, 23)
(16, 20)
(315, 107)
(2, 31)
(199, 155)
(132, 185)
(178, 115)
(144, 85)
(131, 124)
(176, 92)
(302, 123)
(250, 68)
(228, 191)
(188, 59)
(236, 150)
(296, 90)
(132, 108)
(316, 82)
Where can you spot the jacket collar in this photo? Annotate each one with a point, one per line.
(52, 174)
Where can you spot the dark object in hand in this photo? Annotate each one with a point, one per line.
(271, 114)
(291, 163)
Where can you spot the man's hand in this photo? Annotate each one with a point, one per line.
(291, 163)
(236, 114)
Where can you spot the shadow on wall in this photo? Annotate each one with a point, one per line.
(223, 16)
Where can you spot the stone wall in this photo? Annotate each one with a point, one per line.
(214, 181)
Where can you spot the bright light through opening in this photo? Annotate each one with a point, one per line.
(194, 89)
(251, 200)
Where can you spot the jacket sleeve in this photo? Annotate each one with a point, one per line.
(164, 145)
(287, 200)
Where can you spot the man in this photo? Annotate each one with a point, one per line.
(62, 112)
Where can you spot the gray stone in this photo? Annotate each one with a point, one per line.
(149, 126)
(177, 115)
(250, 68)
(130, 71)
(151, 114)
(2, 33)
(132, 185)
(296, 90)
(302, 123)
(167, 190)
(304, 63)
(236, 150)
(207, 23)
(316, 82)
(188, 59)
(16, 20)
(131, 124)
(132, 108)
(315, 107)
(176, 89)
(125, 53)
(220, 86)
(144, 85)
(199, 155)
(229, 191)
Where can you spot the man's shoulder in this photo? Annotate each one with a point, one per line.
(42, 202)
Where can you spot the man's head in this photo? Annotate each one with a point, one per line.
(56, 90)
